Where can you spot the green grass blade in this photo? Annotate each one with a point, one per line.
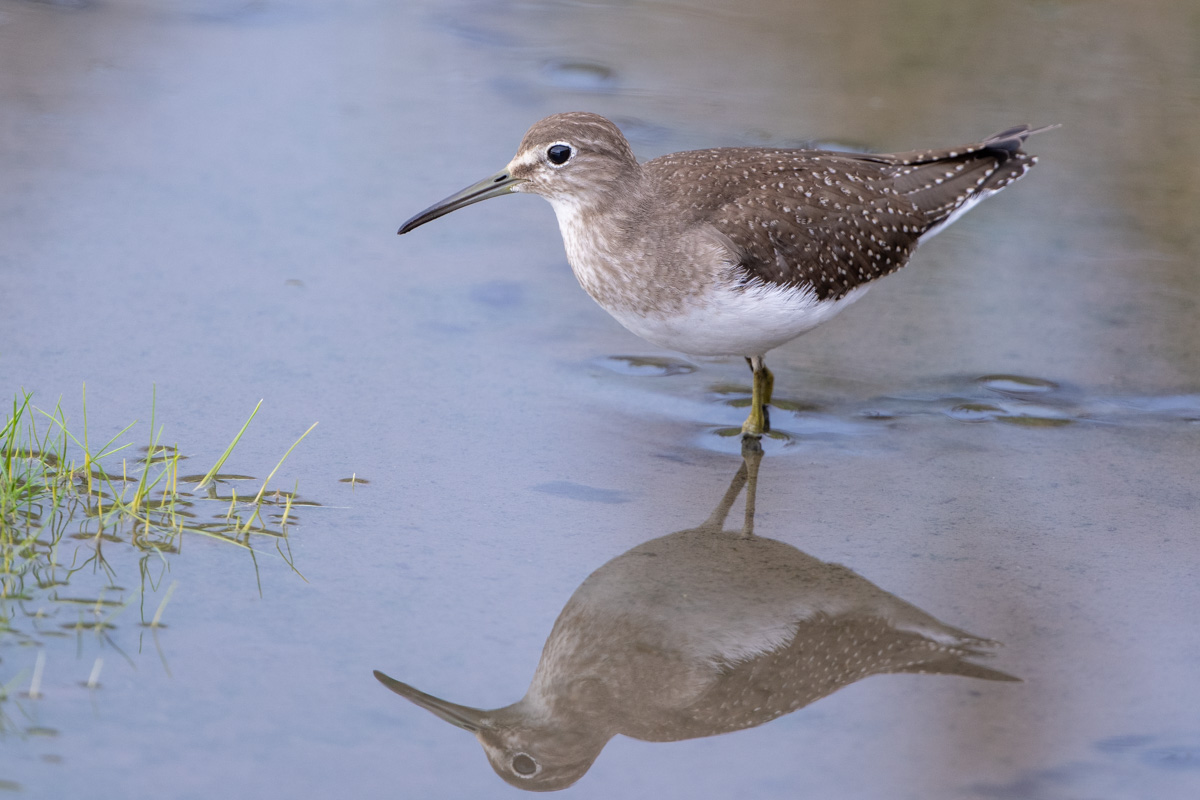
(258, 496)
(228, 450)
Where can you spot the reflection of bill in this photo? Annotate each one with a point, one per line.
(697, 633)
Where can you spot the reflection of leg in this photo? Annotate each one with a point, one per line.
(716, 520)
(752, 456)
(759, 421)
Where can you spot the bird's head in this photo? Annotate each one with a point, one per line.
(574, 160)
(525, 748)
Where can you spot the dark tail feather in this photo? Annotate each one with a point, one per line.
(954, 665)
(1010, 141)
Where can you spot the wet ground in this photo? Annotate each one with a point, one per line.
(198, 204)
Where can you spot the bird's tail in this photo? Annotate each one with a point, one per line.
(947, 183)
(953, 664)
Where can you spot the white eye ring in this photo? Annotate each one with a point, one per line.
(523, 773)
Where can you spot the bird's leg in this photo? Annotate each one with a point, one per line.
(759, 421)
(751, 457)
(716, 520)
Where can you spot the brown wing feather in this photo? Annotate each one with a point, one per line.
(833, 221)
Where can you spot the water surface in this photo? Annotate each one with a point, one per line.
(199, 203)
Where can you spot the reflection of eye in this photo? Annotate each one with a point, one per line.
(523, 765)
(558, 153)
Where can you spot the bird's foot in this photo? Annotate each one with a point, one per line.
(758, 423)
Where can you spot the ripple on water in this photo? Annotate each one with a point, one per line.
(1035, 421)
(975, 412)
(729, 440)
(645, 366)
(580, 76)
(1017, 410)
(1017, 384)
(798, 417)
(1026, 415)
(738, 396)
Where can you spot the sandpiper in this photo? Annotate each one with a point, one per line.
(734, 251)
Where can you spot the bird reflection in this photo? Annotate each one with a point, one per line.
(697, 633)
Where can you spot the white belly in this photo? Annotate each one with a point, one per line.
(708, 313)
(728, 322)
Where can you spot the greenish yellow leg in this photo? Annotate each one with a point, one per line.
(759, 421)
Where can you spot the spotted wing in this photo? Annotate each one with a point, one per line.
(833, 221)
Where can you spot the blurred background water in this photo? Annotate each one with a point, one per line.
(198, 204)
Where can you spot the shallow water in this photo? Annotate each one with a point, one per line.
(199, 205)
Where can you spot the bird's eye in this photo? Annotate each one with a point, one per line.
(523, 765)
(558, 153)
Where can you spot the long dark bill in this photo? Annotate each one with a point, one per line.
(465, 717)
(493, 186)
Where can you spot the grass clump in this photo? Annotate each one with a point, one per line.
(70, 509)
